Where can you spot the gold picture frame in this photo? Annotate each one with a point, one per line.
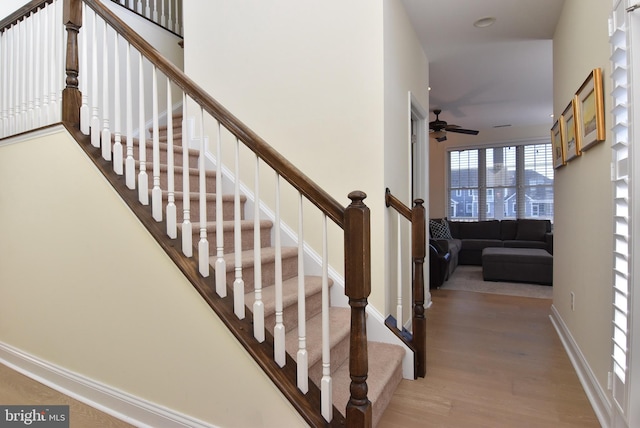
(589, 112)
(557, 146)
(570, 138)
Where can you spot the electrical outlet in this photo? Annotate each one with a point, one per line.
(573, 301)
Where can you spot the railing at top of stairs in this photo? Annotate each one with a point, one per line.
(29, 101)
(168, 14)
(417, 338)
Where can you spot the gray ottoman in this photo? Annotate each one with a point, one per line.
(517, 265)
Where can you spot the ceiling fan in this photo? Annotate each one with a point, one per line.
(438, 128)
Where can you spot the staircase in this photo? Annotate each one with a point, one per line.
(385, 360)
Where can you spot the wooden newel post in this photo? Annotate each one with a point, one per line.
(418, 252)
(357, 257)
(71, 97)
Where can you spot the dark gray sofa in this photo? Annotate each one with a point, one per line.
(468, 239)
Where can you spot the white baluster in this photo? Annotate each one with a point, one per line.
(106, 130)
(23, 76)
(279, 329)
(143, 179)
(10, 79)
(147, 10)
(130, 163)
(37, 72)
(258, 304)
(85, 117)
(117, 145)
(132, 5)
(139, 7)
(220, 266)
(54, 65)
(95, 120)
(172, 226)
(170, 23)
(177, 27)
(29, 64)
(187, 237)
(155, 11)
(203, 244)
(156, 192)
(326, 389)
(302, 359)
(4, 62)
(399, 317)
(60, 70)
(46, 65)
(163, 17)
(238, 283)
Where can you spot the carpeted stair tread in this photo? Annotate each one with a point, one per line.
(228, 234)
(313, 300)
(267, 254)
(385, 373)
(339, 326)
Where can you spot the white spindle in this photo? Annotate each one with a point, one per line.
(132, 5)
(29, 60)
(46, 65)
(203, 244)
(117, 144)
(172, 227)
(163, 17)
(155, 11)
(130, 163)
(258, 304)
(399, 276)
(10, 79)
(139, 7)
(54, 65)
(156, 192)
(85, 116)
(95, 121)
(59, 71)
(143, 179)
(147, 9)
(187, 237)
(302, 359)
(326, 390)
(106, 130)
(238, 283)
(4, 63)
(176, 26)
(170, 23)
(279, 329)
(37, 72)
(23, 76)
(220, 266)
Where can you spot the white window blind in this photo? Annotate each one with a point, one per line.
(622, 237)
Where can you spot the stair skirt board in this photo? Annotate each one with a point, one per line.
(119, 404)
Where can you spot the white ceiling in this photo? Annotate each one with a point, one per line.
(487, 77)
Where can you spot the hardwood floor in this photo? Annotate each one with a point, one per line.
(492, 361)
(18, 389)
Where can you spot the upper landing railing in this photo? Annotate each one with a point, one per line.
(165, 13)
(103, 79)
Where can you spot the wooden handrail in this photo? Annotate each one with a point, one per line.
(24, 11)
(320, 198)
(417, 218)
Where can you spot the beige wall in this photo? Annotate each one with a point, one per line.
(583, 192)
(311, 79)
(85, 287)
(405, 71)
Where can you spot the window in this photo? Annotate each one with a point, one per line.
(519, 179)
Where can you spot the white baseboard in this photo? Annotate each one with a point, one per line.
(596, 395)
(119, 404)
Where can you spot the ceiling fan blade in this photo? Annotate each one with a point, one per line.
(461, 130)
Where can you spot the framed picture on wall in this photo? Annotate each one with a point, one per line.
(590, 111)
(556, 144)
(570, 141)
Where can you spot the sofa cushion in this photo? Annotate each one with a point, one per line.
(439, 229)
(480, 244)
(514, 243)
(531, 230)
(508, 229)
(489, 229)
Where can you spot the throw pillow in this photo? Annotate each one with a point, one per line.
(439, 229)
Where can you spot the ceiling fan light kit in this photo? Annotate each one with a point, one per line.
(438, 128)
